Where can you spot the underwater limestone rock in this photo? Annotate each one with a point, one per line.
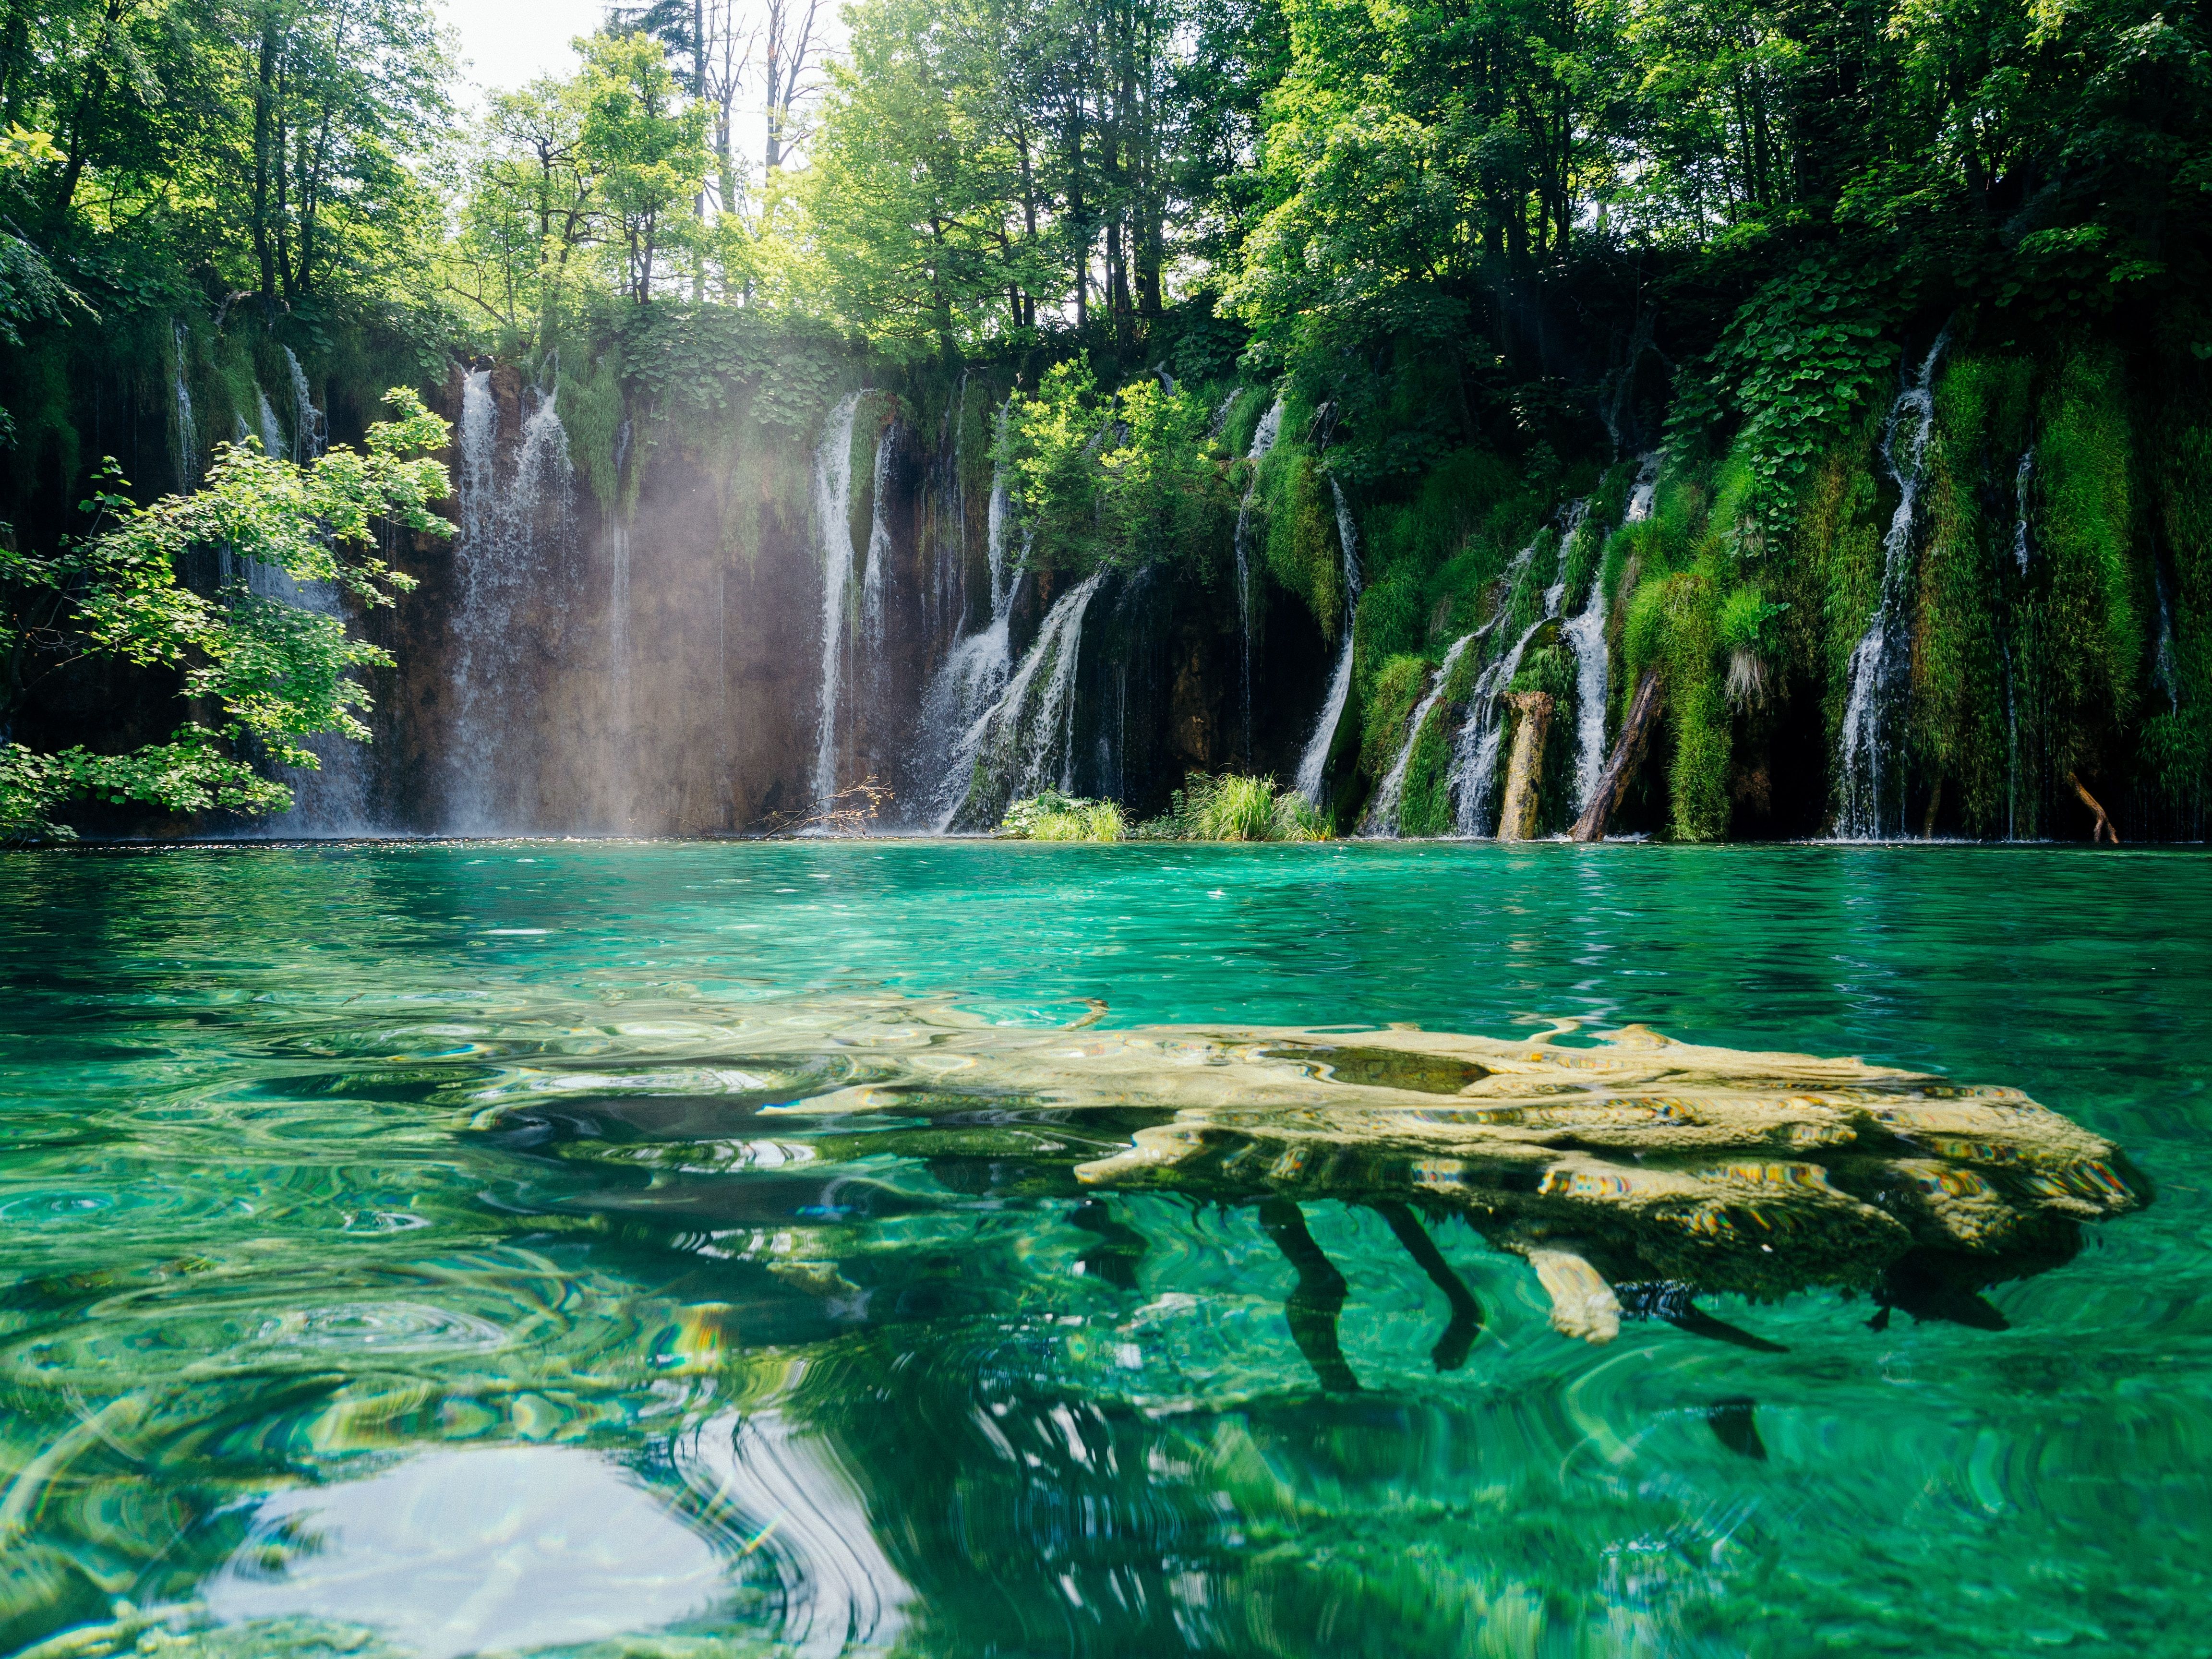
(1633, 1174)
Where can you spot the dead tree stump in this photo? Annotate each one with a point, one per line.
(1627, 756)
(1516, 819)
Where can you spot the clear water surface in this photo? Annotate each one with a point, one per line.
(395, 1261)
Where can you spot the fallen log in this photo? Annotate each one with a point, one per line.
(2104, 824)
(1516, 819)
(1627, 756)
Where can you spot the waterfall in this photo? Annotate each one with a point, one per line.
(310, 431)
(331, 800)
(967, 686)
(1645, 492)
(1585, 635)
(1263, 440)
(949, 576)
(499, 558)
(2164, 673)
(880, 546)
(1314, 763)
(833, 490)
(272, 429)
(1881, 661)
(2019, 509)
(188, 431)
(1474, 753)
(1025, 741)
(1474, 756)
(1382, 816)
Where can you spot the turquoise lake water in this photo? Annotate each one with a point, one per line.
(430, 1250)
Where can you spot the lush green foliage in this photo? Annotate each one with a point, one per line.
(273, 671)
(1122, 480)
(1235, 807)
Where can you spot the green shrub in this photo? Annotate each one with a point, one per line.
(1235, 807)
(1054, 817)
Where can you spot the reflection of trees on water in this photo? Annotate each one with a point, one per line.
(827, 1307)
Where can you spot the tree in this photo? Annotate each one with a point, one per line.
(258, 672)
(1122, 480)
(645, 146)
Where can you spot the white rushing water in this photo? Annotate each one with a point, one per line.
(1024, 742)
(188, 431)
(272, 429)
(833, 488)
(1313, 764)
(2165, 674)
(970, 680)
(1585, 636)
(1474, 756)
(1381, 817)
(1263, 440)
(499, 560)
(2019, 483)
(1880, 663)
(310, 430)
(880, 546)
(1473, 774)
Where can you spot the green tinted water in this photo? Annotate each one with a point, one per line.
(401, 1257)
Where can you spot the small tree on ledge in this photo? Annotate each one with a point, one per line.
(255, 665)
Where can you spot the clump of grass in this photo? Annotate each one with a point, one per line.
(1054, 817)
(1235, 807)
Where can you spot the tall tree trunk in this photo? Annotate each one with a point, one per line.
(91, 108)
(264, 127)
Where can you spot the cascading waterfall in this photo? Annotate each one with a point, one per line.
(1474, 753)
(310, 431)
(2019, 481)
(1474, 756)
(499, 558)
(1382, 816)
(1881, 662)
(1263, 440)
(968, 683)
(1025, 741)
(880, 546)
(1555, 596)
(2164, 673)
(949, 582)
(833, 488)
(1585, 636)
(1313, 765)
(272, 429)
(188, 431)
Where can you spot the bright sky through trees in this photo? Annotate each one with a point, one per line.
(507, 42)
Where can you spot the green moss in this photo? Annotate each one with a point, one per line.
(2094, 644)
(1301, 547)
(1672, 627)
(1425, 805)
(1398, 684)
(592, 410)
(2178, 742)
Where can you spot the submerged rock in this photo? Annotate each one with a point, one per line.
(1670, 1169)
